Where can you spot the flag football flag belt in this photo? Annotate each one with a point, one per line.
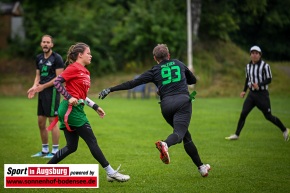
(192, 95)
(69, 109)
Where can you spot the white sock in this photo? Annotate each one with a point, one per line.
(45, 148)
(54, 149)
(109, 170)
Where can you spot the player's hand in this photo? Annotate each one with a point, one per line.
(104, 93)
(101, 112)
(256, 86)
(31, 92)
(39, 88)
(73, 101)
(242, 94)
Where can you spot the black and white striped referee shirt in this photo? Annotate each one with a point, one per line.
(258, 73)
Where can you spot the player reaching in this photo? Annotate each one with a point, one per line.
(172, 78)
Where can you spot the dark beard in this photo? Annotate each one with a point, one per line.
(47, 51)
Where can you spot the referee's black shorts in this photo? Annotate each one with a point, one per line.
(260, 99)
(48, 102)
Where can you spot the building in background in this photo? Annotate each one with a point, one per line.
(11, 23)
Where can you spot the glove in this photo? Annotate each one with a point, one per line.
(104, 93)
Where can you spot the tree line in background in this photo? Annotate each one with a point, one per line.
(122, 33)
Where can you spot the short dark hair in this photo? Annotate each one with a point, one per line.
(161, 52)
(46, 35)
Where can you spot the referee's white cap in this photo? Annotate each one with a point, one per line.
(256, 48)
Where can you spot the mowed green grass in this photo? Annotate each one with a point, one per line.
(258, 162)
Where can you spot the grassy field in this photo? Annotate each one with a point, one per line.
(258, 162)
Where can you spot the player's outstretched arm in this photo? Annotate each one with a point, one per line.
(104, 93)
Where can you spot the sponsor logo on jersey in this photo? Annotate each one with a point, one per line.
(48, 63)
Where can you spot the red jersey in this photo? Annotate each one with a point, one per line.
(77, 80)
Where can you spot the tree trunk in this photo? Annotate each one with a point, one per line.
(196, 12)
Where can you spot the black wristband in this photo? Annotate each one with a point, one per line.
(95, 107)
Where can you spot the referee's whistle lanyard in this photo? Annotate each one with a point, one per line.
(69, 109)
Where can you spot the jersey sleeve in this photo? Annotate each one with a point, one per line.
(69, 73)
(268, 71)
(190, 78)
(246, 85)
(142, 79)
(58, 61)
(36, 62)
(60, 88)
(268, 76)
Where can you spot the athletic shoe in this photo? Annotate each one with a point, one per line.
(163, 149)
(39, 154)
(232, 137)
(117, 176)
(204, 169)
(286, 134)
(49, 155)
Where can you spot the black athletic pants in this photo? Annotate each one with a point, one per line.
(177, 110)
(261, 100)
(72, 139)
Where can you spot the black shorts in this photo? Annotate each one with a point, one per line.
(177, 110)
(260, 99)
(48, 102)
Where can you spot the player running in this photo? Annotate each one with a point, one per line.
(171, 77)
(73, 120)
(258, 77)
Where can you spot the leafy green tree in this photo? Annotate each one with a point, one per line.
(218, 19)
(89, 22)
(266, 23)
(122, 33)
(148, 23)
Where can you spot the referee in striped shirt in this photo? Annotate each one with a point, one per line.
(258, 76)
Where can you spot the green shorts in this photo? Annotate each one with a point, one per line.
(76, 118)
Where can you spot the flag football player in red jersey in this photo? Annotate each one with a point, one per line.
(73, 120)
